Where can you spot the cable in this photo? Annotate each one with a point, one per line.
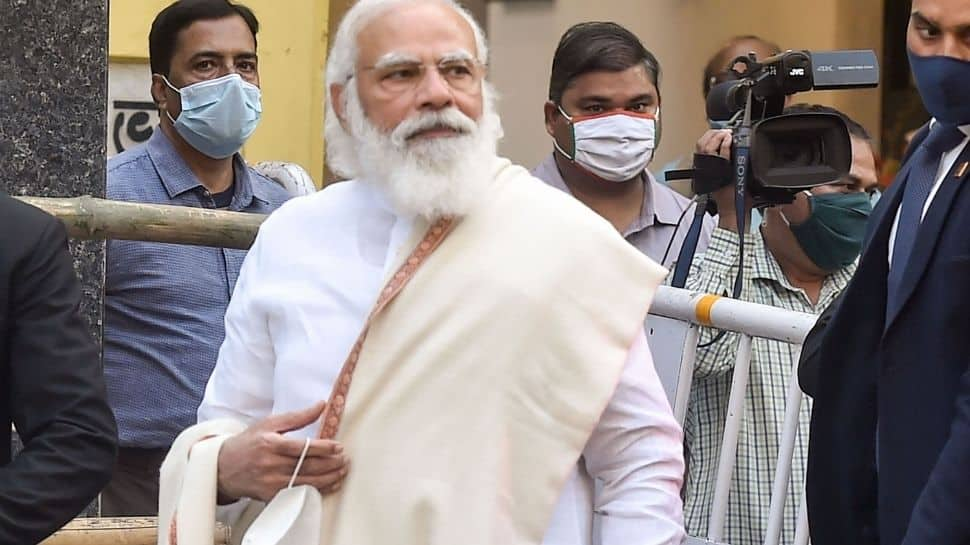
(688, 247)
(673, 235)
(716, 338)
(741, 160)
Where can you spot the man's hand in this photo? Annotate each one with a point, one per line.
(718, 142)
(258, 462)
(715, 142)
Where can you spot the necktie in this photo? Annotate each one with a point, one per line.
(919, 183)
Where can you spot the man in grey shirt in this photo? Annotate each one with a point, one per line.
(603, 114)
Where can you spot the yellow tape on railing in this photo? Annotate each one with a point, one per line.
(704, 306)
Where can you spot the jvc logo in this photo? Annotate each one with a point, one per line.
(797, 72)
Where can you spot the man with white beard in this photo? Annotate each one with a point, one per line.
(473, 331)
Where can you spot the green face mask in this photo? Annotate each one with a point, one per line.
(832, 235)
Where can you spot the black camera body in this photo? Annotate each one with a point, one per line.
(786, 153)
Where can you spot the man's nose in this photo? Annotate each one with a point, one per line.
(433, 91)
(228, 67)
(953, 46)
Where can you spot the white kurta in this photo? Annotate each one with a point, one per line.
(290, 327)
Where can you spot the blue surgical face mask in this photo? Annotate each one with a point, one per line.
(218, 115)
(943, 83)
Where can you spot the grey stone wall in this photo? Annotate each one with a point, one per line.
(53, 96)
(53, 89)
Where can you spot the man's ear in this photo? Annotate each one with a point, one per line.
(338, 103)
(560, 129)
(551, 114)
(160, 95)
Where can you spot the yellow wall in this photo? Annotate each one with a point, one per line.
(292, 53)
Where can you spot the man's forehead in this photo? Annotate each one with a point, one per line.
(228, 35)
(623, 85)
(863, 161)
(861, 148)
(954, 13)
(421, 29)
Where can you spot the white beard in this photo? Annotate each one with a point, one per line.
(429, 178)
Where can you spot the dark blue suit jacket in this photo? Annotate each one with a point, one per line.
(51, 385)
(908, 374)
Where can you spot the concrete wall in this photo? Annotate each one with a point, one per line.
(683, 34)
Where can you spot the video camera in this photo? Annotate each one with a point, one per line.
(773, 155)
(781, 154)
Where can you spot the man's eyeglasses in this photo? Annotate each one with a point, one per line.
(462, 75)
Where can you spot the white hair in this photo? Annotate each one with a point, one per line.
(427, 177)
(342, 153)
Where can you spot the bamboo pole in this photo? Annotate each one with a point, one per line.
(118, 531)
(96, 219)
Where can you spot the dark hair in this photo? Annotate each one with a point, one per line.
(178, 16)
(717, 67)
(597, 47)
(855, 129)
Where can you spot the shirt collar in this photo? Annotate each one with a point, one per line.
(963, 128)
(659, 207)
(663, 203)
(178, 178)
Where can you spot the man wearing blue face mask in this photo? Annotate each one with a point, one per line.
(800, 258)
(890, 442)
(603, 115)
(164, 303)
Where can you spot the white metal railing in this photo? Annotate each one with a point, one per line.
(750, 320)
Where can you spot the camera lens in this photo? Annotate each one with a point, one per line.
(796, 150)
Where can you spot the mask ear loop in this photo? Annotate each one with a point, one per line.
(572, 132)
(811, 207)
(170, 86)
(174, 88)
(299, 463)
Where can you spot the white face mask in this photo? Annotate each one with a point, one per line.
(616, 147)
(293, 517)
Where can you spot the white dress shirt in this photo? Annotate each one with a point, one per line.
(302, 297)
(946, 163)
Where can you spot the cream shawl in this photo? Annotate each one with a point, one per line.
(478, 386)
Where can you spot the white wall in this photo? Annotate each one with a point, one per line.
(131, 114)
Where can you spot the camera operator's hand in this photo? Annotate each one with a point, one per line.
(715, 142)
(718, 142)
